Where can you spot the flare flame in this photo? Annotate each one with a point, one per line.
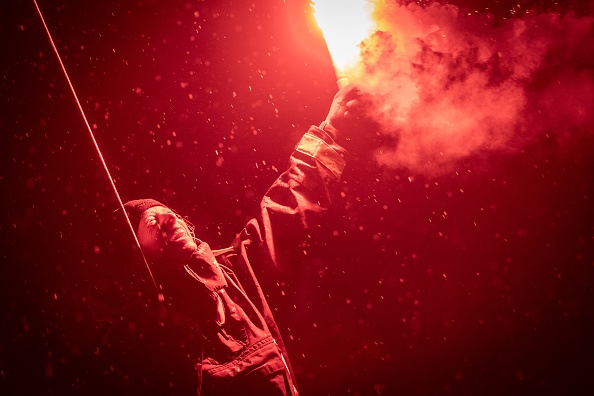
(344, 26)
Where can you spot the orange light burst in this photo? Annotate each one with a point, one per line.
(344, 25)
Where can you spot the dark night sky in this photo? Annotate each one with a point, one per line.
(478, 280)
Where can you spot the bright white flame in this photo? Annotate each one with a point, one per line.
(344, 24)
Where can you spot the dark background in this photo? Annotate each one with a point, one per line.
(475, 282)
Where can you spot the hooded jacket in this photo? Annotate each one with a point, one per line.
(220, 305)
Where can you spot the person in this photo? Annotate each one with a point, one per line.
(215, 293)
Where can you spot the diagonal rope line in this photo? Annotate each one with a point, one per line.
(82, 112)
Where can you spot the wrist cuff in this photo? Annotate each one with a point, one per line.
(319, 149)
(329, 129)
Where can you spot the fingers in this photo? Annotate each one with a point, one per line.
(356, 108)
(350, 92)
(348, 111)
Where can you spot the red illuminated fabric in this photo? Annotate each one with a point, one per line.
(317, 148)
(137, 207)
(296, 201)
(223, 298)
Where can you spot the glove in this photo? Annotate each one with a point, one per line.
(348, 115)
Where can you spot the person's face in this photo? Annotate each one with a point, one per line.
(161, 231)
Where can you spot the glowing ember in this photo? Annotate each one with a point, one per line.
(344, 25)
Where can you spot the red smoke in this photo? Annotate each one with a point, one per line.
(452, 85)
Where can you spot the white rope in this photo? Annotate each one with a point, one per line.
(115, 190)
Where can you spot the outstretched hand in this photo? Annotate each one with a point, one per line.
(349, 118)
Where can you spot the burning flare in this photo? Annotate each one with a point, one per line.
(344, 25)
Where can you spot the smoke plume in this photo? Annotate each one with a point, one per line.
(450, 86)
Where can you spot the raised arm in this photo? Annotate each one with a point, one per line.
(293, 206)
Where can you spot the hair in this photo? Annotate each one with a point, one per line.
(191, 227)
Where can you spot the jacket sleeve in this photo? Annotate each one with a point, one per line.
(292, 208)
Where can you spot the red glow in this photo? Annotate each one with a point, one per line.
(344, 25)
